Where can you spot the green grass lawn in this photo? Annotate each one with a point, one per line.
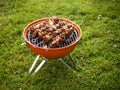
(97, 56)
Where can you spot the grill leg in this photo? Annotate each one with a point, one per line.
(35, 61)
(65, 63)
(71, 58)
(40, 65)
(24, 43)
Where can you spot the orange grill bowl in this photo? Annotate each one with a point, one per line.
(52, 53)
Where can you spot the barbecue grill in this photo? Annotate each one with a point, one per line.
(43, 50)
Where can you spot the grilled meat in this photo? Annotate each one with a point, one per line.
(52, 32)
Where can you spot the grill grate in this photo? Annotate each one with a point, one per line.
(39, 42)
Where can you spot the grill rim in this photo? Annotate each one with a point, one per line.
(78, 29)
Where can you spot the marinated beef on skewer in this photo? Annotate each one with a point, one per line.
(41, 34)
(47, 38)
(55, 20)
(35, 33)
(52, 32)
(56, 41)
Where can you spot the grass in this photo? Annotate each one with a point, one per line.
(97, 56)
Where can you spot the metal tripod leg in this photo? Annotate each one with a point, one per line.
(39, 66)
(65, 63)
(43, 62)
(71, 58)
(35, 61)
